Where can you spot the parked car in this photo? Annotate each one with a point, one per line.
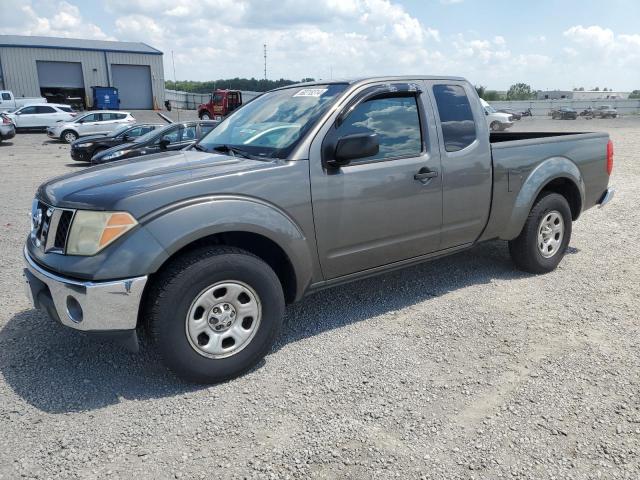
(92, 123)
(175, 136)
(206, 246)
(564, 113)
(496, 121)
(605, 111)
(515, 115)
(41, 115)
(7, 128)
(86, 147)
(9, 102)
(221, 103)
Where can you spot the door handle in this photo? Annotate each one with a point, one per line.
(425, 174)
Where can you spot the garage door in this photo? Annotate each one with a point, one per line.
(60, 74)
(134, 86)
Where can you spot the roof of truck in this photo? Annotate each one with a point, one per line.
(352, 81)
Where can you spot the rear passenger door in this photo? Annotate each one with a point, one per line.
(466, 161)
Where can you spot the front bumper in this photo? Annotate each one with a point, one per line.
(52, 133)
(80, 155)
(87, 306)
(7, 133)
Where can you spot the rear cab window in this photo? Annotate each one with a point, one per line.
(6, 96)
(456, 117)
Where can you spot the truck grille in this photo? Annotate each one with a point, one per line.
(50, 227)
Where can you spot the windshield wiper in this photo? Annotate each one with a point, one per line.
(236, 151)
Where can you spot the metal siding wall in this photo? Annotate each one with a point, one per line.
(155, 65)
(21, 74)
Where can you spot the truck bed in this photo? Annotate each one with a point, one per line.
(519, 158)
(498, 137)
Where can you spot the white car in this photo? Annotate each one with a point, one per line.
(497, 121)
(92, 123)
(41, 115)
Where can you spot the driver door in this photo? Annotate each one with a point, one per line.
(387, 207)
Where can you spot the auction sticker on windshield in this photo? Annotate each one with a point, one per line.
(310, 92)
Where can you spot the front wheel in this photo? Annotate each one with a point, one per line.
(545, 236)
(215, 313)
(495, 126)
(205, 116)
(69, 136)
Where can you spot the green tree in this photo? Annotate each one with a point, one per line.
(635, 94)
(492, 96)
(520, 91)
(597, 89)
(250, 84)
(481, 90)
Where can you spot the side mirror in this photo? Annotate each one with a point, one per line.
(126, 137)
(18, 113)
(352, 147)
(164, 143)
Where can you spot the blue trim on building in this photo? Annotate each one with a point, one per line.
(156, 52)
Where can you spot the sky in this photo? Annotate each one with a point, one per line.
(495, 43)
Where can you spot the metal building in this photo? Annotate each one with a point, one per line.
(64, 70)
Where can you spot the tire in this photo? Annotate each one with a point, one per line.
(205, 116)
(526, 251)
(69, 136)
(202, 277)
(495, 126)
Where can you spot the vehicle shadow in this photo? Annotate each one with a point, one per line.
(57, 371)
(77, 164)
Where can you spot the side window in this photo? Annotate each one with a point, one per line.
(394, 119)
(6, 96)
(28, 111)
(206, 129)
(94, 117)
(44, 109)
(118, 116)
(66, 109)
(188, 133)
(456, 117)
(172, 135)
(105, 117)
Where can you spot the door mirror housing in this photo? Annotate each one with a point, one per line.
(164, 142)
(126, 137)
(353, 147)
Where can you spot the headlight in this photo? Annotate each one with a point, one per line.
(92, 231)
(84, 145)
(113, 155)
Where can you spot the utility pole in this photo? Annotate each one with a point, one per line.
(175, 81)
(265, 61)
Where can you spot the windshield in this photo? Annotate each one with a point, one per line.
(274, 123)
(119, 130)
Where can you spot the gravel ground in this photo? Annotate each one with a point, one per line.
(462, 368)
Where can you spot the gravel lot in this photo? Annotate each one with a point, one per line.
(462, 368)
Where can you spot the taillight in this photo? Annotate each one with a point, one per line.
(5, 120)
(609, 157)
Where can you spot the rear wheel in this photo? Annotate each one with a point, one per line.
(544, 238)
(69, 136)
(215, 313)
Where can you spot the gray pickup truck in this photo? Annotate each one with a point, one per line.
(306, 187)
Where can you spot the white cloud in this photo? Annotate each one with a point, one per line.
(55, 19)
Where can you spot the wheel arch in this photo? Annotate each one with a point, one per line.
(556, 174)
(249, 224)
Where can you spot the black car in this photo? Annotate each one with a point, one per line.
(564, 113)
(175, 136)
(86, 147)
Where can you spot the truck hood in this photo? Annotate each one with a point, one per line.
(142, 184)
